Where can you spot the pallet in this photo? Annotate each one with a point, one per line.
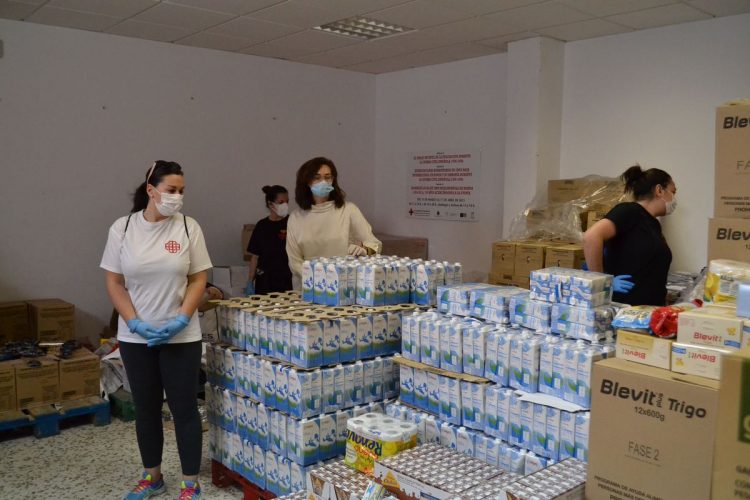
(221, 477)
(47, 420)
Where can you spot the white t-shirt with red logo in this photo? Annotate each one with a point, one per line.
(156, 258)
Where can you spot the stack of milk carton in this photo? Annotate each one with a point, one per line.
(376, 281)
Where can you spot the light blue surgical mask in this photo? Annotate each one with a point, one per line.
(321, 189)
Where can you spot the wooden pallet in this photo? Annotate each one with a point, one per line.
(221, 477)
(46, 420)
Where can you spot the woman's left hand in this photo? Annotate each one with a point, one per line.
(174, 327)
(356, 250)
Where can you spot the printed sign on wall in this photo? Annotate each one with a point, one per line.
(443, 185)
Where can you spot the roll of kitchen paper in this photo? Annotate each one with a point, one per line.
(373, 436)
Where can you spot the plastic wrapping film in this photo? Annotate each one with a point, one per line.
(560, 214)
(723, 279)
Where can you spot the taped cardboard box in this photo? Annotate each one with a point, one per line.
(729, 238)
(247, 232)
(7, 386)
(529, 257)
(570, 256)
(52, 319)
(642, 348)
(404, 246)
(565, 190)
(731, 474)
(503, 258)
(79, 375)
(14, 321)
(500, 279)
(652, 433)
(732, 170)
(37, 382)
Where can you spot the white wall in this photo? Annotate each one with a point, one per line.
(83, 115)
(458, 105)
(650, 97)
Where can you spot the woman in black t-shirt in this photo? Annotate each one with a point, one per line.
(628, 242)
(269, 267)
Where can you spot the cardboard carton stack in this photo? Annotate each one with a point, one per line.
(29, 382)
(562, 191)
(729, 230)
(44, 320)
(512, 261)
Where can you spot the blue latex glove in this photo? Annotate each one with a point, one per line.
(172, 328)
(143, 329)
(250, 288)
(622, 283)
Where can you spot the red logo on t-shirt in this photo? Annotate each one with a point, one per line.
(172, 246)
(281, 235)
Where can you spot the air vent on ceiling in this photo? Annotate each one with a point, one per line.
(363, 28)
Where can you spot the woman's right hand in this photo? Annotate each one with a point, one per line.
(143, 329)
(356, 250)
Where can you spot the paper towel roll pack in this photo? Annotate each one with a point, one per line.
(373, 436)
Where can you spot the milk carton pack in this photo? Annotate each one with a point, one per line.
(490, 409)
(283, 338)
(264, 426)
(251, 412)
(546, 378)
(390, 379)
(348, 400)
(410, 322)
(479, 346)
(517, 461)
(364, 336)
(379, 334)
(468, 350)
(281, 435)
(432, 430)
(342, 417)
(530, 364)
(328, 383)
(303, 438)
(433, 390)
(515, 436)
(285, 478)
(391, 284)
(393, 342)
(347, 338)
(259, 466)
(229, 369)
(465, 441)
(304, 393)
(492, 449)
(490, 362)
(274, 440)
(570, 373)
(503, 414)
(559, 357)
(242, 419)
(330, 342)
(235, 454)
(582, 436)
(448, 436)
(451, 407)
(370, 285)
(308, 281)
(340, 384)
(256, 382)
(297, 475)
(272, 472)
(307, 343)
(527, 424)
(516, 361)
(264, 336)
(404, 283)
(478, 404)
(230, 411)
(375, 384)
(351, 283)
(247, 460)
(534, 463)
(553, 433)
(539, 430)
(269, 383)
(421, 391)
(456, 335)
(282, 388)
(424, 282)
(567, 435)
(328, 437)
(319, 281)
(337, 276)
(585, 367)
(503, 358)
(467, 403)
(406, 384)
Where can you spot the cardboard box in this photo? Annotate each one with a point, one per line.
(7, 386)
(642, 348)
(79, 375)
(565, 190)
(529, 257)
(14, 321)
(732, 456)
(652, 433)
(570, 256)
(697, 360)
(36, 385)
(732, 170)
(503, 258)
(729, 238)
(500, 279)
(591, 217)
(521, 281)
(52, 319)
(711, 326)
(404, 246)
(247, 232)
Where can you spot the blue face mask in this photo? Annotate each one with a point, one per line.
(321, 189)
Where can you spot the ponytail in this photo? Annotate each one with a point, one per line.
(154, 176)
(641, 183)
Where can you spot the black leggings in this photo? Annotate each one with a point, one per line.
(173, 368)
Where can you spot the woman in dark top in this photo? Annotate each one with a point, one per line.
(628, 242)
(269, 267)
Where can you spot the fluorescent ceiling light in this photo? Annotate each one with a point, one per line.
(363, 28)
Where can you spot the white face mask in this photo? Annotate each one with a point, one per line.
(170, 203)
(671, 205)
(281, 209)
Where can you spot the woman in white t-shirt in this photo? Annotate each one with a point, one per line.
(325, 225)
(156, 266)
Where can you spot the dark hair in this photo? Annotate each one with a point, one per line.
(272, 192)
(642, 182)
(161, 169)
(306, 173)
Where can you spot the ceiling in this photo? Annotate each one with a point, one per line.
(445, 30)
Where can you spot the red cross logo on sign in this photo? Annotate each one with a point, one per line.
(172, 246)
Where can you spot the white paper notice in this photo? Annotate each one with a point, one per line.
(443, 185)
